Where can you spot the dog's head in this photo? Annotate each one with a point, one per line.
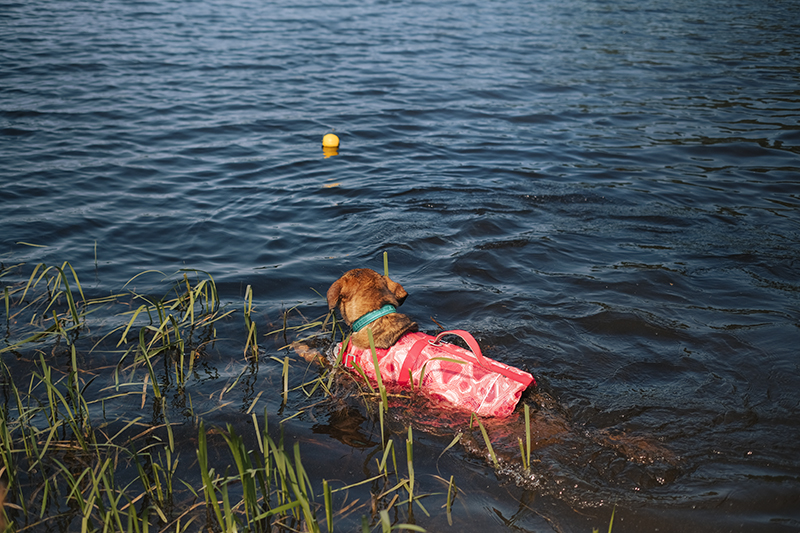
(363, 290)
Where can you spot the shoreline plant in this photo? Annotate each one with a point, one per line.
(66, 465)
(73, 458)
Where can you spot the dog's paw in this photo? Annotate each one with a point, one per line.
(309, 353)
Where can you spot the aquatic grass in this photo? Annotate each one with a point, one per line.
(173, 320)
(146, 353)
(52, 284)
(381, 388)
(206, 473)
(53, 277)
(277, 491)
(75, 413)
(252, 340)
(318, 326)
(453, 442)
(93, 488)
(328, 497)
(294, 481)
(92, 474)
(452, 491)
(319, 323)
(380, 511)
(382, 410)
(189, 309)
(383, 463)
(246, 474)
(525, 449)
(410, 463)
(48, 426)
(364, 379)
(488, 442)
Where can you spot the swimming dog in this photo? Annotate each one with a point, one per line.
(405, 357)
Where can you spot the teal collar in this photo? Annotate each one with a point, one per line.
(372, 316)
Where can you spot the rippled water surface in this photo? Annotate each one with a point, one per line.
(606, 193)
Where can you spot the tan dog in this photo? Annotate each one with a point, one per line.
(362, 291)
(407, 358)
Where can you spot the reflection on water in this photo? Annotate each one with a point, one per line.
(603, 193)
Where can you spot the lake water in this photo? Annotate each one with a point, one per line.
(605, 192)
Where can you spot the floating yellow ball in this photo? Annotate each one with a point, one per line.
(330, 141)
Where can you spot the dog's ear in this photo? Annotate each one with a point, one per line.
(397, 289)
(334, 293)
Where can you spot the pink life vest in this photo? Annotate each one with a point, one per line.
(462, 378)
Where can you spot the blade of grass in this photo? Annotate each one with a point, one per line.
(527, 436)
(326, 491)
(488, 444)
(205, 474)
(146, 355)
(452, 443)
(452, 491)
(123, 339)
(75, 277)
(68, 293)
(31, 283)
(382, 467)
(378, 378)
(285, 379)
(410, 463)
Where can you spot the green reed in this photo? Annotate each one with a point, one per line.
(172, 321)
(410, 463)
(488, 443)
(316, 325)
(69, 462)
(274, 488)
(51, 285)
(391, 491)
(57, 461)
(252, 339)
(525, 449)
(326, 492)
(452, 491)
(378, 377)
(64, 462)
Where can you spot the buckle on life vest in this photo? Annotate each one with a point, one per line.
(348, 357)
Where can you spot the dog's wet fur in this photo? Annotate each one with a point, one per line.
(361, 291)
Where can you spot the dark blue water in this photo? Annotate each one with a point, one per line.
(604, 192)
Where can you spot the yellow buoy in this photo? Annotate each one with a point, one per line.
(330, 141)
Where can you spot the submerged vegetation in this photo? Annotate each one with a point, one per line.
(66, 464)
(106, 425)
